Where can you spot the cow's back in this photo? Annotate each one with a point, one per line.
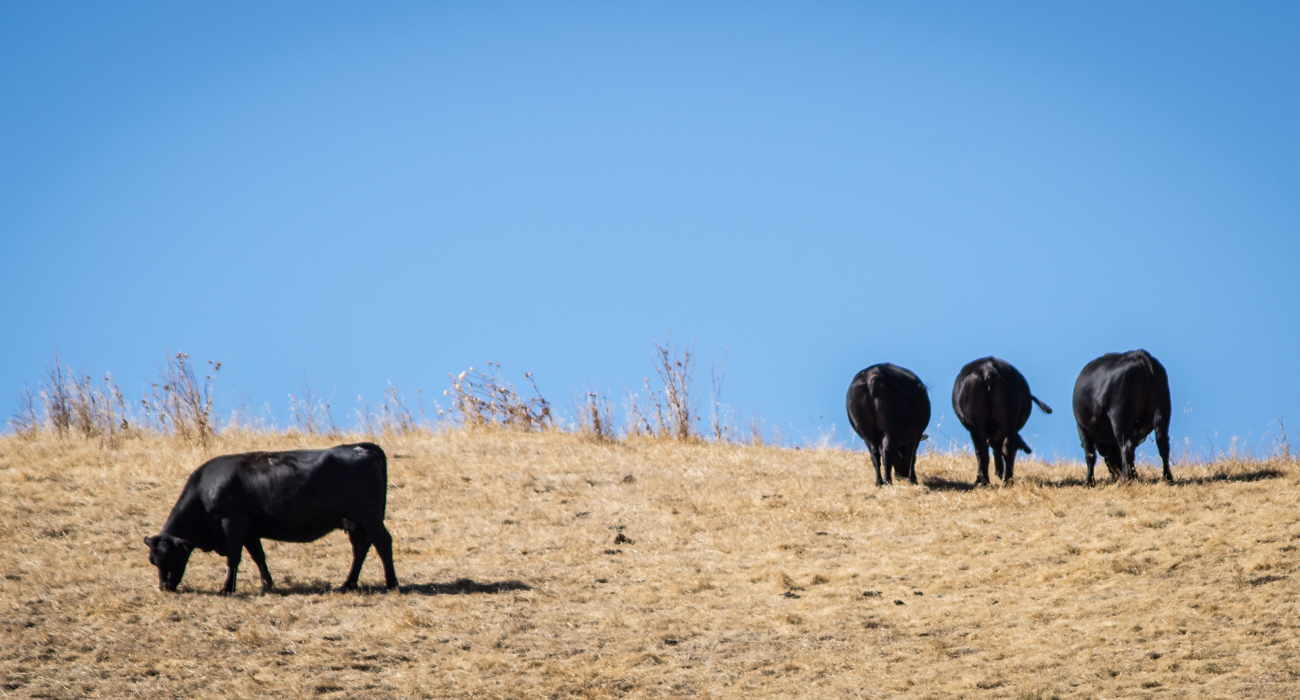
(300, 495)
(889, 399)
(1133, 384)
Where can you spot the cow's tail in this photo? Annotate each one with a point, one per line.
(1024, 446)
(1045, 408)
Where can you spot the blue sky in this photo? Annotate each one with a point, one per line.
(356, 195)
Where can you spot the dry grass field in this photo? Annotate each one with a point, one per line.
(745, 572)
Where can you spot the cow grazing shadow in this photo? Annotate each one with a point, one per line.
(938, 483)
(464, 585)
(302, 588)
(1231, 477)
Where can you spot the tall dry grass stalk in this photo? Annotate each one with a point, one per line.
(180, 403)
(667, 411)
(310, 413)
(593, 414)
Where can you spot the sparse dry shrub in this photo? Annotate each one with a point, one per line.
(676, 370)
(593, 411)
(720, 415)
(182, 404)
(485, 399)
(24, 421)
(669, 411)
(311, 415)
(56, 397)
(73, 405)
(393, 418)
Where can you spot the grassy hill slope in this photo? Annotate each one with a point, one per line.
(749, 571)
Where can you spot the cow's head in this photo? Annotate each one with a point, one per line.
(170, 554)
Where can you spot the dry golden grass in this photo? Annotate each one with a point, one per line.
(745, 576)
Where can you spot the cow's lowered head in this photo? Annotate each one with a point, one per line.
(170, 554)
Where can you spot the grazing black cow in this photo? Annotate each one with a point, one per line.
(889, 409)
(1119, 399)
(992, 401)
(230, 503)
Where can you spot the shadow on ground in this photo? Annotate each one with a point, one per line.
(458, 587)
(464, 585)
(936, 483)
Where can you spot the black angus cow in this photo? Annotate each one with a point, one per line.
(231, 503)
(889, 409)
(1119, 399)
(992, 401)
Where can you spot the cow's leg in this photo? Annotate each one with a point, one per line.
(1125, 446)
(1128, 459)
(378, 535)
(1089, 454)
(1110, 455)
(360, 547)
(234, 530)
(1162, 443)
(911, 462)
(254, 547)
(1010, 446)
(981, 458)
(999, 463)
(875, 462)
(887, 458)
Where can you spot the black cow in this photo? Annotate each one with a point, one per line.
(230, 503)
(1119, 399)
(889, 409)
(992, 401)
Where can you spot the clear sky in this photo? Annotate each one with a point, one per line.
(358, 193)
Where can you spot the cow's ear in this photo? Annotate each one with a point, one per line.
(189, 546)
(150, 542)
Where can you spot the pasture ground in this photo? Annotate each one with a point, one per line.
(748, 572)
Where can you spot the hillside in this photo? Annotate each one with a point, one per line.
(748, 571)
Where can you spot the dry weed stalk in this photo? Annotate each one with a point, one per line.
(311, 415)
(24, 421)
(183, 404)
(668, 412)
(485, 399)
(593, 412)
(676, 370)
(720, 414)
(393, 418)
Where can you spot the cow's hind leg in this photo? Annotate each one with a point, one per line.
(383, 542)
(875, 462)
(254, 547)
(999, 461)
(1162, 443)
(1009, 448)
(360, 547)
(234, 530)
(1089, 454)
(887, 459)
(911, 462)
(981, 459)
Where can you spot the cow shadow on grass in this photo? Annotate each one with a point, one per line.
(464, 585)
(938, 483)
(460, 586)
